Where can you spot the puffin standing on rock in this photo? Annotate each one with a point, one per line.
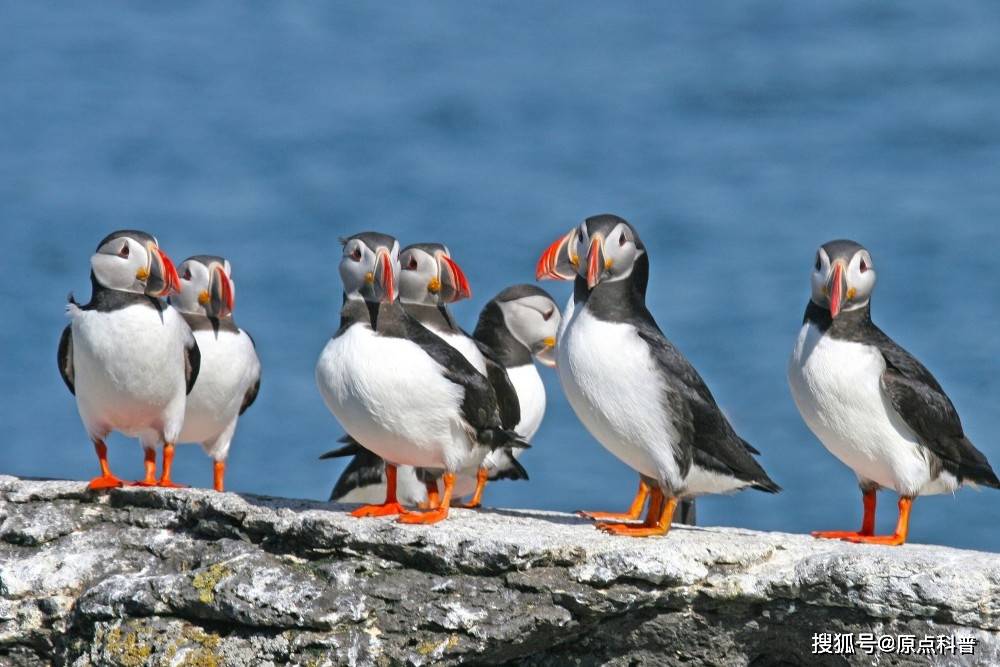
(870, 402)
(519, 324)
(130, 358)
(229, 378)
(632, 389)
(400, 390)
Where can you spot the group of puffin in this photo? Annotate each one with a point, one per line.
(432, 413)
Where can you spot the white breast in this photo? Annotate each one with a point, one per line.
(129, 370)
(393, 399)
(229, 367)
(837, 387)
(613, 384)
(530, 397)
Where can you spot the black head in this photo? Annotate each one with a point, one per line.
(843, 276)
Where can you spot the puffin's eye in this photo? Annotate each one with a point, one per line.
(622, 239)
(412, 265)
(819, 262)
(579, 235)
(356, 255)
(547, 315)
(187, 274)
(864, 266)
(124, 251)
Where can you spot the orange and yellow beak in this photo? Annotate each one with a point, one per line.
(836, 289)
(221, 299)
(454, 286)
(559, 261)
(596, 261)
(384, 277)
(160, 276)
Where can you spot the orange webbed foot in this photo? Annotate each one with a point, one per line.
(886, 540)
(837, 534)
(383, 509)
(631, 530)
(170, 484)
(608, 516)
(105, 482)
(471, 505)
(425, 518)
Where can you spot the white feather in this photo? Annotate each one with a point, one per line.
(229, 367)
(614, 386)
(129, 371)
(394, 400)
(837, 387)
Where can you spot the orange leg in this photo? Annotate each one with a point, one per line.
(867, 522)
(434, 515)
(658, 518)
(634, 510)
(219, 475)
(149, 461)
(391, 506)
(902, 528)
(482, 476)
(106, 480)
(433, 497)
(168, 464)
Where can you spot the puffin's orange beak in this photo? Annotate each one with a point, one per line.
(221, 299)
(559, 261)
(384, 276)
(453, 278)
(837, 288)
(162, 279)
(595, 261)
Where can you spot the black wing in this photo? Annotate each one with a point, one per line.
(364, 469)
(192, 363)
(65, 358)
(511, 469)
(922, 404)
(507, 400)
(479, 405)
(714, 445)
(250, 396)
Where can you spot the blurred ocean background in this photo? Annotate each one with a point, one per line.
(736, 136)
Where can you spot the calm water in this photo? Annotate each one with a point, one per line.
(736, 138)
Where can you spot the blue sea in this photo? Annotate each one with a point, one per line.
(737, 137)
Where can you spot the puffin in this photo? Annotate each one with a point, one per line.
(515, 327)
(401, 391)
(631, 387)
(871, 403)
(128, 357)
(229, 378)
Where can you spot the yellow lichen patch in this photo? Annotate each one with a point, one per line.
(206, 653)
(431, 646)
(128, 647)
(205, 582)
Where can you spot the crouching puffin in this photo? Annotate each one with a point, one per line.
(229, 378)
(129, 358)
(871, 403)
(397, 388)
(632, 389)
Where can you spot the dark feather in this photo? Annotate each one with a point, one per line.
(513, 470)
(507, 401)
(65, 358)
(364, 469)
(250, 396)
(192, 364)
(350, 448)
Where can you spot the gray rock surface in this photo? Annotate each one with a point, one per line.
(189, 577)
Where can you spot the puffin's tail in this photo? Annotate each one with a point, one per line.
(500, 438)
(975, 468)
(510, 468)
(350, 448)
(757, 477)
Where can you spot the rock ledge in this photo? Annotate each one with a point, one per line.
(152, 577)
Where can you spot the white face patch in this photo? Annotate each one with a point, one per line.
(532, 320)
(118, 264)
(619, 249)
(419, 281)
(196, 286)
